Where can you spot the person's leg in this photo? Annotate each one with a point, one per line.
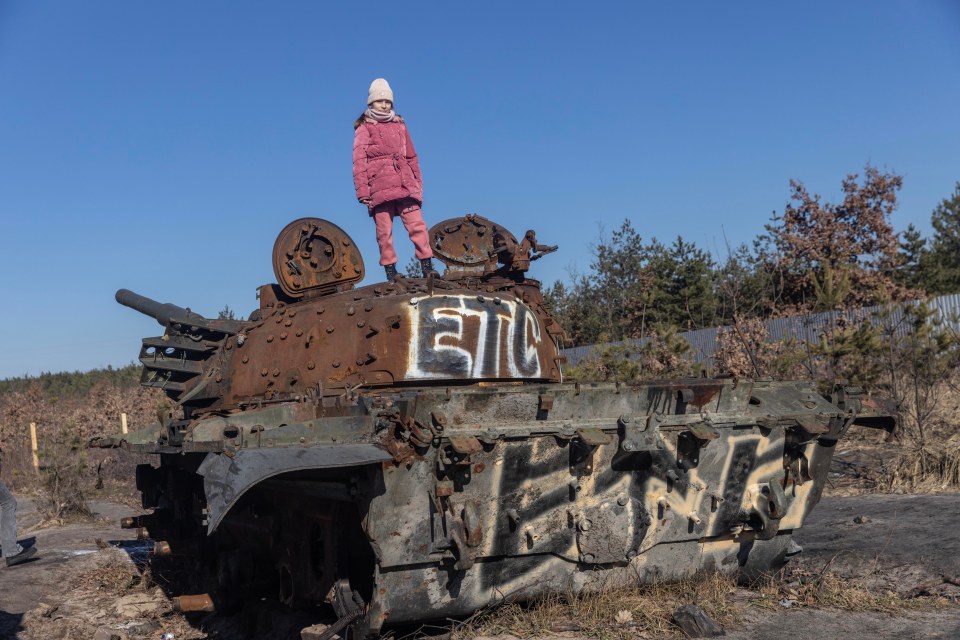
(383, 219)
(413, 221)
(8, 522)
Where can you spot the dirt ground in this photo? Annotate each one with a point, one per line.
(65, 551)
(904, 544)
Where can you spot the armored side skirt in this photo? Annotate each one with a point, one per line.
(404, 595)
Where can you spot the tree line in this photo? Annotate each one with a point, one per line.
(815, 255)
(74, 384)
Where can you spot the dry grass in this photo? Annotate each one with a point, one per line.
(613, 613)
(645, 611)
(928, 439)
(801, 587)
(928, 470)
(114, 577)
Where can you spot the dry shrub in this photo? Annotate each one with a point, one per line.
(738, 348)
(921, 470)
(64, 494)
(923, 380)
(832, 255)
(666, 354)
(744, 350)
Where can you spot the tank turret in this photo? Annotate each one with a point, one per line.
(315, 334)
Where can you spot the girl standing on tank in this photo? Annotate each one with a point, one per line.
(386, 174)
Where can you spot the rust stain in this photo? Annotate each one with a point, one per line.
(704, 391)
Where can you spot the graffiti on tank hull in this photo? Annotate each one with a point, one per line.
(545, 503)
(466, 337)
(655, 509)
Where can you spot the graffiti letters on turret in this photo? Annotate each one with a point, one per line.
(470, 337)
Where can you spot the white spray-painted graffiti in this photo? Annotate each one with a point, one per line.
(464, 337)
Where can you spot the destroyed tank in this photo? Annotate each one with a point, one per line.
(411, 450)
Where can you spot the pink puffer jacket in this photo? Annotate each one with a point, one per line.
(385, 165)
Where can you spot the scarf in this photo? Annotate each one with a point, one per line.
(380, 116)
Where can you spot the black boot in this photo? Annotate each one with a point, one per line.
(426, 265)
(23, 556)
(391, 270)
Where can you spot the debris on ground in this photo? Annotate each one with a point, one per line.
(695, 622)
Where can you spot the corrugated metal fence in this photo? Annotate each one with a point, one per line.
(703, 342)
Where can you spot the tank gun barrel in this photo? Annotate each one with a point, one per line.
(162, 312)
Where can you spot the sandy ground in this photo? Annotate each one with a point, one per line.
(905, 542)
(907, 538)
(908, 542)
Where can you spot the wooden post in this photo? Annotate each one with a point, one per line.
(33, 446)
(123, 422)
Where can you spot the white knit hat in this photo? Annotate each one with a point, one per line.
(379, 90)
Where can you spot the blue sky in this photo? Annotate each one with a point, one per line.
(161, 146)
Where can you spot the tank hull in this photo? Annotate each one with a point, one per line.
(459, 497)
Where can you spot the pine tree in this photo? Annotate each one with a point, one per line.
(913, 271)
(943, 270)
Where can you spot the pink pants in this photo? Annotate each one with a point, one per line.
(409, 212)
